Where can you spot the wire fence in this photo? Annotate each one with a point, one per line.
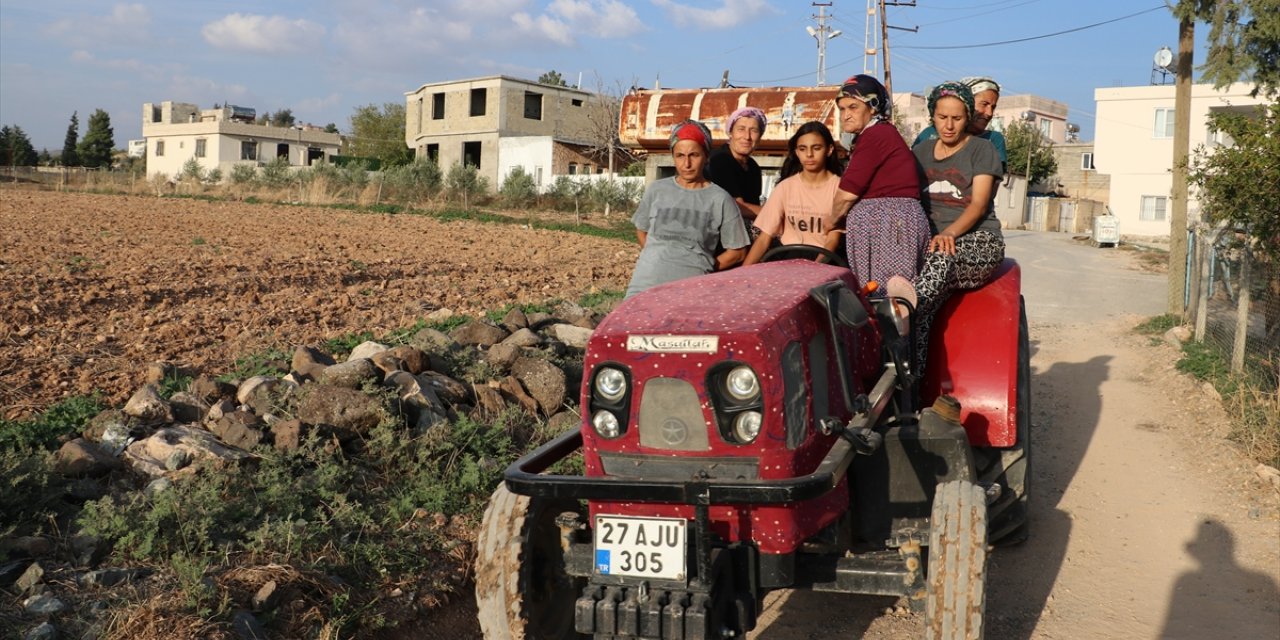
(1234, 299)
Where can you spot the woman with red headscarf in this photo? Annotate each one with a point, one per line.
(682, 220)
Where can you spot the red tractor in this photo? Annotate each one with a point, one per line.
(760, 429)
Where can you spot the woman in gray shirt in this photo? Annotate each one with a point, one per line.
(681, 220)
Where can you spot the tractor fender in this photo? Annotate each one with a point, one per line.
(973, 355)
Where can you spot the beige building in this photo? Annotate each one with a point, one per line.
(1134, 148)
(221, 138)
(911, 114)
(497, 123)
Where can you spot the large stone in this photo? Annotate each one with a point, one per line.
(12, 570)
(80, 458)
(219, 409)
(419, 400)
(564, 421)
(150, 456)
(28, 546)
(348, 412)
(112, 577)
(367, 349)
(351, 374)
(88, 551)
(287, 434)
(43, 605)
(210, 390)
(572, 313)
(434, 341)
(187, 407)
(1178, 335)
(310, 362)
(571, 335)
(479, 333)
(239, 429)
(489, 402)
(501, 356)
(449, 390)
(247, 627)
(511, 387)
(415, 361)
(30, 578)
(544, 381)
(514, 320)
(259, 394)
(523, 338)
(157, 372)
(387, 363)
(147, 406)
(440, 315)
(266, 597)
(43, 631)
(113, 430)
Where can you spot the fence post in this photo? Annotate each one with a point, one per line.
(1242, 311)
(1204, 277)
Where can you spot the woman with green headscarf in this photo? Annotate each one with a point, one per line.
(960, 172)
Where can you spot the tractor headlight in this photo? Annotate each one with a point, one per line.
(746, 426)
(606, 424)
(611, 384)
(742, 383)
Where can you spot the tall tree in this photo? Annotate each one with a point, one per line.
(15, 148)
(380, 133)
(552, 78)
(331, 128)
(99, 140)
(69, 156)
(1022, 141)
(283, 118)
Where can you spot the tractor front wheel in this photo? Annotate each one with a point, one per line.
(956, 593)
(522, 589)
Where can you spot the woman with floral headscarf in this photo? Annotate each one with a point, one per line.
(960, 171)
(886, 229)
(681, 221)
(986, 97)
(733, 169)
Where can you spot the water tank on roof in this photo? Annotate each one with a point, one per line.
(647, 116)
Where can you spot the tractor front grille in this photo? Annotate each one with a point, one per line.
(671, 416)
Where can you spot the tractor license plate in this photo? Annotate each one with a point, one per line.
(640, 547)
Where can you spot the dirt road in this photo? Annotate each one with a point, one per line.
(1146, 524)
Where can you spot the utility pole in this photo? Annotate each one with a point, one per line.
(822, 34)
(1181, 149)
(884, 40)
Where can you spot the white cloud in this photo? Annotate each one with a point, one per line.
(131, 66)
(125, 22)
(730, 14)
(543, 27)
(566, 20)
(388, 36)
(263, 34)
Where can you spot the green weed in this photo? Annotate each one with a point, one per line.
(1157, 325)
(42, 432)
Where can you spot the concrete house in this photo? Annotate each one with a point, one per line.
(497, 123)
(221, 138)
(1134, 147)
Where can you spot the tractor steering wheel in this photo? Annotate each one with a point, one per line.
(803, 252)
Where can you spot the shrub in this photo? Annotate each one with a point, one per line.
(192, 171)
(414, 182)
(214, 176)
(465, 182)
(276, 173)
(518, 190)
(242, 174)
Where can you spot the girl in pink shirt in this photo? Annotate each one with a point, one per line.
(799, 209)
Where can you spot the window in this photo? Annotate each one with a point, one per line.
(418, 113)
(159, 147)
(248, 150)
(532, 105)
(437, 106)
(478, 96)
(1046, 129)
(1164, 123)
(1086, 162)
(576, 102)
(573, 168)
(471, 154)
(282, 150)
(200, 145)
(433, 153)
(1153, 208)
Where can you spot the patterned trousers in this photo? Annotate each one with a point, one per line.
(978, 254)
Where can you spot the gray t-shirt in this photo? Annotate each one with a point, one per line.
(684, 226)
(948, 184)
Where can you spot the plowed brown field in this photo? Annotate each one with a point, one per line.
(97, 286)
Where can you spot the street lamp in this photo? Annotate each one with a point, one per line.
(822, 34)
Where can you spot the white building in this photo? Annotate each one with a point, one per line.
(1134, 146)
(221, 138)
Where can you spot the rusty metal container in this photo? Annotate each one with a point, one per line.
(648, 115)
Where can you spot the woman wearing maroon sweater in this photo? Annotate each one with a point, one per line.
(887, 230)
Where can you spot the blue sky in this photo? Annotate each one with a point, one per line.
(324, 58)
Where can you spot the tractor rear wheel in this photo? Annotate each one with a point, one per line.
(522, 589)
(1011, 467)
(956, 593)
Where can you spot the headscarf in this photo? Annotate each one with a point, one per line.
(952, 89)
(978, 84)
(748, 112)
(869, 90)
(690, 130)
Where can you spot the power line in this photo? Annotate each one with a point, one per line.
(979, 14)
(1040, 37)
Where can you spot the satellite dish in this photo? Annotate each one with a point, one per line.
(1164, 59)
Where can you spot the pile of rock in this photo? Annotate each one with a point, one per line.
(532, 362)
